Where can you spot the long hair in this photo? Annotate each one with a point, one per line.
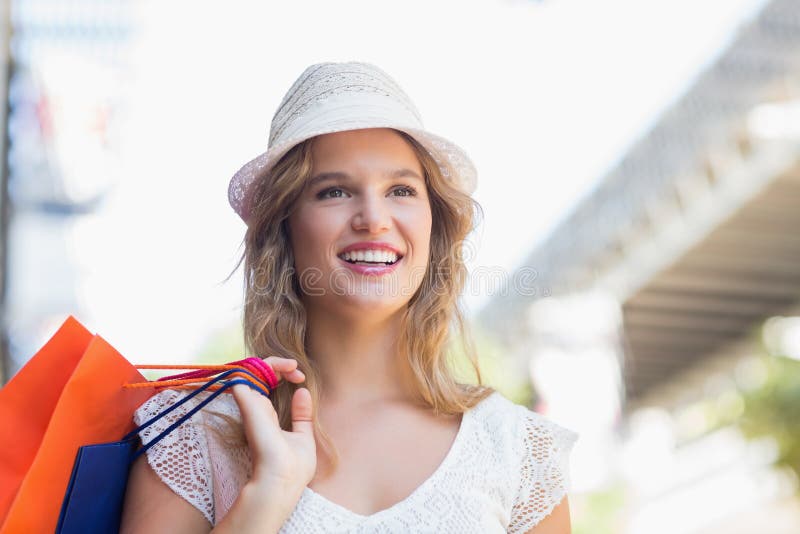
(275, 318)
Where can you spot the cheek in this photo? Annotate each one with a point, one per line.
(424, 227)
(299, 232)
(312, 237)
(418, 224)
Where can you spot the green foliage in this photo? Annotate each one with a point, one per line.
(599, 512)
(496, 369)
(224, 345)
(773, 409)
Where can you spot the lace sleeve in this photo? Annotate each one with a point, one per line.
(544, 469)
(181, 459)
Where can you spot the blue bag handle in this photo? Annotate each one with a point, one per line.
(96, 491)
(193, 394)
(185, 417)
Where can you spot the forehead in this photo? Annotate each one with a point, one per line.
(374, 149)
(322, 177)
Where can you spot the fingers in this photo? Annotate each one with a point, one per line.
(277, 453)
(258, 416)
(285, 368)
(302, 412)
(258, 412)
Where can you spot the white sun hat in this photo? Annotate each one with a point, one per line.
(335, 97)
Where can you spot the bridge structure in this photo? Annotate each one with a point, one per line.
(695, 231)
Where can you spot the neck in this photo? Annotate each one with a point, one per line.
(358, 360)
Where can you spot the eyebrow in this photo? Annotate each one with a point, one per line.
(325, 176)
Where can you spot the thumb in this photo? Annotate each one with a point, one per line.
(302, 412)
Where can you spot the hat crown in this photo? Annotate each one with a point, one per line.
(336, 97)
(323, 81)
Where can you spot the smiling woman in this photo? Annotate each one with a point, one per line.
(356, 216)
(377, 211)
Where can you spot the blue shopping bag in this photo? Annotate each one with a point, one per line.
(96, 490)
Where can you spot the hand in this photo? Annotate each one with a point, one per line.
(282, 461)
(285, 368)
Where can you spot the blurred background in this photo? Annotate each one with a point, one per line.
(636, 277)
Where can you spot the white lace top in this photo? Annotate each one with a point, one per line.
(507, 468)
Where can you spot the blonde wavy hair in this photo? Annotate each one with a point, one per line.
(275, 319)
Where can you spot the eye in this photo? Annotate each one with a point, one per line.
(331, 192)
(406, 191)
(338, 192)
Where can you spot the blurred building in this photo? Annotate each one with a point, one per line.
(5, 71)
(691, 241)
(66, 90)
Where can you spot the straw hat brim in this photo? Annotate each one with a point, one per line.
(452, 160)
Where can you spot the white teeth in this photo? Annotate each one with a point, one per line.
(374, 256)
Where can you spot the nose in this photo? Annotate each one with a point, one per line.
(372, 215)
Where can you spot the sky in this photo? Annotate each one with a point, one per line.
(544, 97)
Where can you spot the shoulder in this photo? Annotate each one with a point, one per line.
(156, 404)
(539, 433)
(166, 399)
(499, 416)
(517, 438)
(536, 452)
(182, 458)
(534, 437)
(519, 457)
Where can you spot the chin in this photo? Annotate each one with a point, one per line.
(373, 306)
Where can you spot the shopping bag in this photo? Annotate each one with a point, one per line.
(96, 491)
(80, 415)
(23, 423)
(75, 392)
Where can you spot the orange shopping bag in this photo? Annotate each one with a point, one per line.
(69, 394)
(22, 422)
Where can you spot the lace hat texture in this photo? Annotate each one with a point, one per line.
(336, 97)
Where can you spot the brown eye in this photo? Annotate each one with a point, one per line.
(406, 190)
(330, 193)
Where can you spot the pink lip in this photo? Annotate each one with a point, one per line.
(371, 270)
(371, 245)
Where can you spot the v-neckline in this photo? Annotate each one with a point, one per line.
(443, 466)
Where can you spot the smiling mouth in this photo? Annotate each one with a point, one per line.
(359, 258)
(373, 263)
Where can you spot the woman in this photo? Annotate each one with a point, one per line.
(353, 265)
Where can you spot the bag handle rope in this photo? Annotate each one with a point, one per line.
(266, 381)
(223, 385)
